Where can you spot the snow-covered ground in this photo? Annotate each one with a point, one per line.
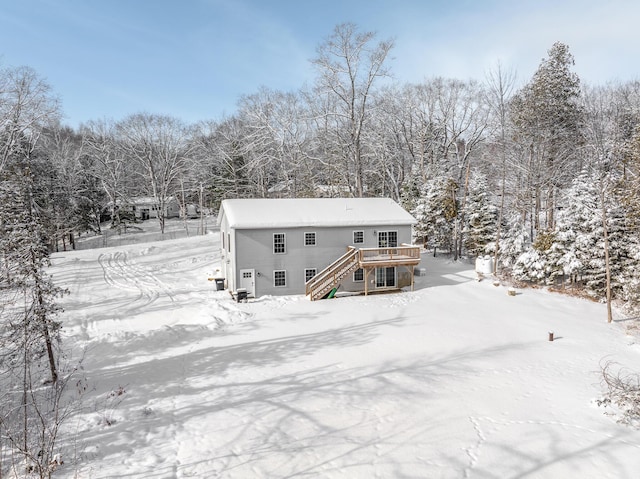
(454, 380)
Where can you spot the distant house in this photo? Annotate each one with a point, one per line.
(192, 210)
(287, 189)
(310, 246)
(146, 207)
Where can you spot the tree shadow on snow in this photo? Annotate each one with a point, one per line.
(315, 419)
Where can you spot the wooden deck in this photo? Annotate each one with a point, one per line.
(405, 255)
(368, 259)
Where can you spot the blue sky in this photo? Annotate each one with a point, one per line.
(193, 59)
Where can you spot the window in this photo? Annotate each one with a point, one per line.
(358, 237)
(279, 278)
(309, 239)
(309, 273)
(387, 239)
(229, 242)
(358, 275)
(279, 245)
(222, 234)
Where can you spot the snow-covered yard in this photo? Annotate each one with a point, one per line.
(454, 380)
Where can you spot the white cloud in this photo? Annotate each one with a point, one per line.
(602, 37)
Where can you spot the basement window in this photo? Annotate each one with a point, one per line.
(280, 278)
(358, 275)
(309, 273)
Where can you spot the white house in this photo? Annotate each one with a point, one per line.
(312, 245)
(146, 207)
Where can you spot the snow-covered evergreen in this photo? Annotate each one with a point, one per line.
(480, 217)
(579, 247)
(514, 242)
(575, 250)
(435, 212)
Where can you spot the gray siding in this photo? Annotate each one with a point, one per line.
(253, 249)
(227, 257)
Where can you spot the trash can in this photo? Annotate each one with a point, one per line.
(219, 284)
(241, 295)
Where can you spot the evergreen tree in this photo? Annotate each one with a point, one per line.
(481, 217)
(436, 212)
(548, 119)
(25, 253)
(29, 332)
(532, 265)
(514, 242)
(579, 244)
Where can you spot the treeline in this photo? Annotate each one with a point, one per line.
(544, 177)
(486, 167)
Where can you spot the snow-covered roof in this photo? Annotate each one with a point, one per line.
(148, 200)
(141, 200)
(322, 212)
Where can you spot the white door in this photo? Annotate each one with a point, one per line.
(247, 281)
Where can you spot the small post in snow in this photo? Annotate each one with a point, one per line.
(550, 335)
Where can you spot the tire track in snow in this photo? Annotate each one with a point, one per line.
(121, 272)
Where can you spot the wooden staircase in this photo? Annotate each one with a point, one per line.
(332, 275)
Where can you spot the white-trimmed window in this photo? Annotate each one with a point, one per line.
(310, 239)
(387, 239)
(309, 273)
(358, 237)
(280, 278)
(279, 243)
(358, 275)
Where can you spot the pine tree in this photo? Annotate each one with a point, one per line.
(532, 265)
(436, 212)
(548, 119)
(514, 242)
(628, 191)
(26, 256)
(481, 217)
(29, 332)
(579, 245)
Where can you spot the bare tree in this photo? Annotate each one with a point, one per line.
(349, 64)
(107, 163)
(160, 145)
(223, 146)
(500, 84)
(622, 391)
(277, 141)
(391, 141)
(26, 105)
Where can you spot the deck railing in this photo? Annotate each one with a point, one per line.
(332, 274)
(403, 253)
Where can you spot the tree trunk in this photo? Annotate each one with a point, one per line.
(184, 207)
(42, 319)
(201, 201)
(607, 265)
(25, 388)
(464, 201)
